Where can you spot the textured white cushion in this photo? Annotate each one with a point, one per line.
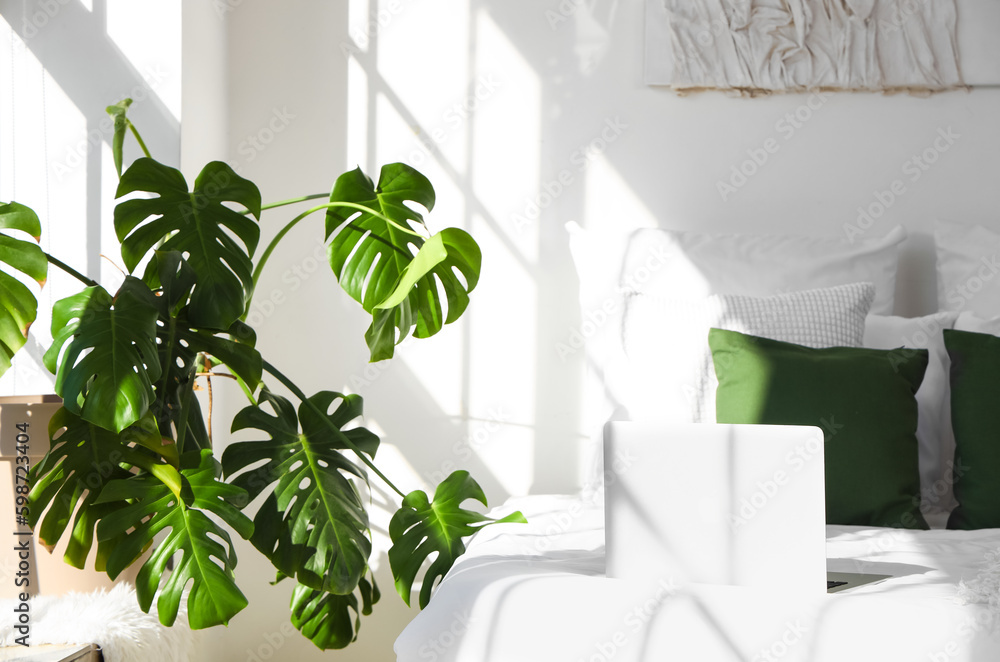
(968, 268)
(935, 439)
(669, 374)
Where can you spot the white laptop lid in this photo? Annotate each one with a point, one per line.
(741, 505)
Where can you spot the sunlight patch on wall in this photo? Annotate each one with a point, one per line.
(507, 175)
(510, 454)
(610, 203)
(43, 152)
(431, 101)
(503, 338)
(112, 267)
(357, 116)
(155, 54)
(358, 21)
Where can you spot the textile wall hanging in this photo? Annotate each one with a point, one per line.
(763, 46)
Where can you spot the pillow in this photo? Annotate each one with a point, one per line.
(662, 262)
(975, 418)
(862, 398)
(691, 265)
(669, 373)
(970, 321)
(935, 441)
(968, 262)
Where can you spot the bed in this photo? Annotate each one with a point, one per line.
(538, 591)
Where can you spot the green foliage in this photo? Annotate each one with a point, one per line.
(84, 457)
(313, 525)
(384, 262)
(329, 620)
(132, 462)
(422, 527)
(183, 348)
(18, 306)
(122, 123)
(204, 561)
(197, 224)
(104, 353)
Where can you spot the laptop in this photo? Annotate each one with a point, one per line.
(740, 505)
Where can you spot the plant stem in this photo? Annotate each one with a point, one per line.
(138, 139)
(295, 221)
(305, 400)
(246, 390)
(292, 201)
(71, 271)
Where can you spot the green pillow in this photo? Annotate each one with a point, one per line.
(863, 399)
(975, 418)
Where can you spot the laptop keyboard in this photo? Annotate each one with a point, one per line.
(830, 584)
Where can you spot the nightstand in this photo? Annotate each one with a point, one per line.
(51, 653)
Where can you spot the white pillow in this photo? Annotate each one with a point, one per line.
(684, 265)
(670, 375)
(975, 323)
(935, 439)
(968, 268)
(690, 265)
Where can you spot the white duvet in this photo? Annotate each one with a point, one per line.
(537, 592)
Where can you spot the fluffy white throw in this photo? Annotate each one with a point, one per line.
(984, 588)
(111, 619)
(794, 45)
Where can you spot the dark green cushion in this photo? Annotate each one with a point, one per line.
(863, 399)
(975, 418)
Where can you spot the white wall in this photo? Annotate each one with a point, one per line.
(61, 64)
(563, 121)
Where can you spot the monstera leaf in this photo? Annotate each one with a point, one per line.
(198, 225)
(326, 619)
(83, 459)
(180, 344)
(391, 268)
(104, 353)
(421, 527)
(313, 525)
(18, 306)
(205, 563)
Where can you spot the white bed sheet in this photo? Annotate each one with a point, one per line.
(536, 592)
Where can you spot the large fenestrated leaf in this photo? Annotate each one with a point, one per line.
(104, 353)
(421, 527)
(18, 306)
(180, 344)
(198, 225)
(82, 460)
(329, 620)
(313, 525)
(205, 562)
(393, 269)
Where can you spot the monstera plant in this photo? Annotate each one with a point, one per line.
(132, 466)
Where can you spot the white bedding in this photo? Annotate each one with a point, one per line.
(536, 592)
